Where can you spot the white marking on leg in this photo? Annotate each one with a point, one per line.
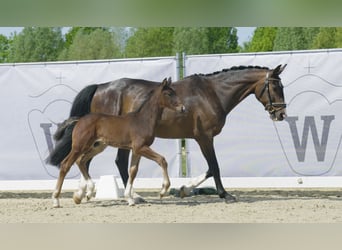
(128, 194)
(55, 201)
(80, 193)
(90, 189)
(194, 182)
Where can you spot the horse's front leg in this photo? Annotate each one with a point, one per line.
(133, 170)
(207, 148)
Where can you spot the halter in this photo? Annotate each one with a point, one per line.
(271, 107)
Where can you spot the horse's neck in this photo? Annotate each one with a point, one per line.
(231, 91)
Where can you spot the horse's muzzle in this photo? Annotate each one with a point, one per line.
(279, 115)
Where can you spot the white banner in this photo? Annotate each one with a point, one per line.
(34, 97)
(306, 144)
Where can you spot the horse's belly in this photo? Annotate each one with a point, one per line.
(173, 131)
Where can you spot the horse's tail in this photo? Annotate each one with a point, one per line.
(63, 136)
(82, 103)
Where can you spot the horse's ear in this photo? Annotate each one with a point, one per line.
(277, 71)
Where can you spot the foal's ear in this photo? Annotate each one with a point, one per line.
(169, 81)
(166, 82)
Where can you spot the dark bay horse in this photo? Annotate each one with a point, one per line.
(208, 98)
(92, 133)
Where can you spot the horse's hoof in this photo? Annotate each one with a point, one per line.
(182, 192)
(138, 199)
(230, 198)
(77, 199)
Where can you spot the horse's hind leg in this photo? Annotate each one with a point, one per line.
(122, 164)
(150, 154)
(185, 190)
(133, 170)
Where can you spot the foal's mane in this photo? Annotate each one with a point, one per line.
(234, 68)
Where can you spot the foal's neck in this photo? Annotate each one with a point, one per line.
(151, 110)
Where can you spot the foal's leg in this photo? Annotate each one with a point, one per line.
(80, 193)
(150, 154)
(65, 167)
(87, 186)
(133, 170)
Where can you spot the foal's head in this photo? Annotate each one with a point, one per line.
(270, 93)
(168, 97)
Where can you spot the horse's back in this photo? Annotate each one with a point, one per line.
(121, 96)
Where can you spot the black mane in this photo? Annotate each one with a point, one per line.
(234, 68)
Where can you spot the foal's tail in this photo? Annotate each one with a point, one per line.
(63, 139)
(63, 136)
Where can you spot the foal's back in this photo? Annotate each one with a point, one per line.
(111, 130)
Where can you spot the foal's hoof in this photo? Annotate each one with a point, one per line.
(89, 196)
(131, 202)
(76, 199)
(56, 203)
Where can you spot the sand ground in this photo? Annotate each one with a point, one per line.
(253, 206)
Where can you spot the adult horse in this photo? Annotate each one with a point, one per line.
(208, 98)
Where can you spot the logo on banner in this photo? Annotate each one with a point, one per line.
(43, 122)
(320, 145)
(311, 134)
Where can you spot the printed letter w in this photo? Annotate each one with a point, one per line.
(309, 124)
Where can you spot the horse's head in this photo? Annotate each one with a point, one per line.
(269, 92)
(169, 98)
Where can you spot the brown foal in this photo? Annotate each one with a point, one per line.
(94, 132)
